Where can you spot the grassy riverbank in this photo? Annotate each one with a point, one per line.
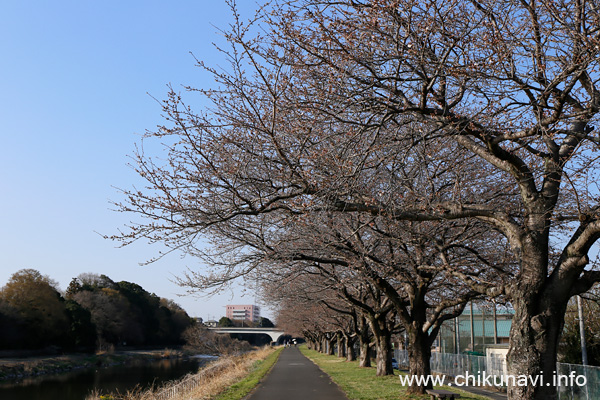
(362, 384)
(228, 378)
(258, 370)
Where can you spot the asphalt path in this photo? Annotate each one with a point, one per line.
(295, 377)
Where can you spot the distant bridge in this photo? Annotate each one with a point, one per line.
(274, 333)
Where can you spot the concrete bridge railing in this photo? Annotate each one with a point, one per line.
(274, 333)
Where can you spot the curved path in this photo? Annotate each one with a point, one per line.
(295, 377)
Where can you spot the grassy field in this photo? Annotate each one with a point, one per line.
(362, 384)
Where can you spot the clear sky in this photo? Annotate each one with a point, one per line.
(76, 80)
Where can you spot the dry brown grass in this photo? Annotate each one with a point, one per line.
(206, 384)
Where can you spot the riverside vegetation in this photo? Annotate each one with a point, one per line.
(94, 314)
(47, 331)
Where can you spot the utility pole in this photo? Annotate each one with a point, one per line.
(584, 356)
(495, 324)
(482, 327)
(457, 335)
(472, 329)
(454, 337)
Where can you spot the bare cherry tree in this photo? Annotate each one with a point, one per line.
(513, 82)
(353, 308)
(414, 265)
(316, 113)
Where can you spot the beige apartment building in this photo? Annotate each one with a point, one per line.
(244, 312)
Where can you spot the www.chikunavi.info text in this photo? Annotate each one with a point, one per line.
(484, 379)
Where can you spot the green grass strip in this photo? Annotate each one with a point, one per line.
(240, 389)
(362, 383)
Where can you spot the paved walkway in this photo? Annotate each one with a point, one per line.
(295, 377)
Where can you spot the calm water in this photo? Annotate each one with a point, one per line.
(77, 385)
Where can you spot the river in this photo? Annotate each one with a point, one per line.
(78, 384)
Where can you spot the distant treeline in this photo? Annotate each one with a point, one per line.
(94, 312)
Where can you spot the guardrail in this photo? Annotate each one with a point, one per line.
(191, 382)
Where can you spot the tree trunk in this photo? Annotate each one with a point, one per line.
(364, 344)
(540, 303)
(330, 346)
(383, 346)
(534, 338)
(349, 346)
(341, 348)
(364, 356)
(310, 340)
(383, 343)
(419, 354)
(384, 356)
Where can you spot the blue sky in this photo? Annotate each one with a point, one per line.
(76, 80)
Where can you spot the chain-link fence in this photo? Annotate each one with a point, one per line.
(571, 378)
(575, 382)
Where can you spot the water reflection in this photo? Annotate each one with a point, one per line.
(78, 384)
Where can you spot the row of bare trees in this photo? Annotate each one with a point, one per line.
(419, 153)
